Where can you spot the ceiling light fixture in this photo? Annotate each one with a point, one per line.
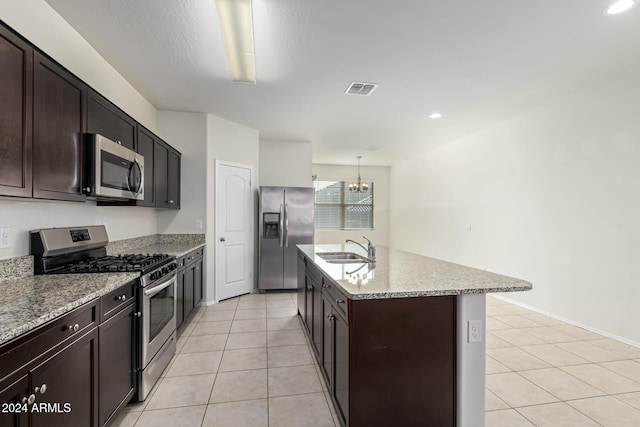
(435, 116)
(358, 185)
(237, 30)
(619, 7)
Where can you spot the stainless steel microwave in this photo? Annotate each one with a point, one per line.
(112, 171)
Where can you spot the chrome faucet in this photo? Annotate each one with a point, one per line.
(371, 250)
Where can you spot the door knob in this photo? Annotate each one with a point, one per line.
(222, 239)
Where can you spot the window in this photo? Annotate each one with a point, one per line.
(339, 208)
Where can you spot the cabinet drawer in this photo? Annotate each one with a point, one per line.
(336, 297)
(192, 256)
(116, 300)
(23, 351)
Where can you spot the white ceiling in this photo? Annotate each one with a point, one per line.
(476, 61)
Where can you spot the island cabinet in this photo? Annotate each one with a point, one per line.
(105, 119)
(16, 85)
(117, 334)
(58, 126)
(190, 285)
(47, 376)
(386, 362)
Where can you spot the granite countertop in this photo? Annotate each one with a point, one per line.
(400, 274)
(29, 302)
(176, 249)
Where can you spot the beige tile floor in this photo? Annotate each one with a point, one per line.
(246, 362)
(543, 372)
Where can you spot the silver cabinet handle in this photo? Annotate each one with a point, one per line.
(119, 142)
(331, 317)
(121, 297)
(31, 399)
(310, 287)
(87, 189)
(170, 202)
(137, 314)
(42, 389)
(340, 301)
(73, 328)
(325, 286)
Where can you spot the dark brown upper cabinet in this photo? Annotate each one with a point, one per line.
(147, 147)
(16, 82)
(167, 176)
(106, 119)
(58, 105)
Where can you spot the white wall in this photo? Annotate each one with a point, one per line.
(41, 25)
(285, 163)
(379, 175)
(187, 133)
(235, 143)
(551, 196)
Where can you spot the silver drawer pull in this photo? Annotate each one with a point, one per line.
(121, 297)
(340, 301)
(325, 286)
(31, 399)
(331, 317)
(73, 328)
(42, 389)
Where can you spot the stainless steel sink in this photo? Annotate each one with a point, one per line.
(342, 257)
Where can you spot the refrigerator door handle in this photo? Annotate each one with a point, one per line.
(281, 226)
(286, 226)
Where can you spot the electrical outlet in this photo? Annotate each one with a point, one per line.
(474, 331)
(5, 238)
(198, 224)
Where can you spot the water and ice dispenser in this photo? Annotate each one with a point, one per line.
(271, 225)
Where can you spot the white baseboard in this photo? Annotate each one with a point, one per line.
(570, 321)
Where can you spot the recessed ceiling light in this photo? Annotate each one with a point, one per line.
(435, 116)
(619, 7)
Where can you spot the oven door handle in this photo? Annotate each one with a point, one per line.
(157, 289)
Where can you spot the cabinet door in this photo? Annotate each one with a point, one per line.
(318, 321)
(173, 177)
(16, 83)
(117, 362)
(146, 147)
(106, 119)
(326, 365)
(161, 165)
(188, 291)
(301, 286)
(180, 299)
(58, 100)
(13, 394)
(340, 377)
(308, 291)
(69, 377)
(198, 274)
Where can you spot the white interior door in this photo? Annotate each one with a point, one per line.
(234, 235)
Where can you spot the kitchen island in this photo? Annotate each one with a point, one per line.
(400, 341)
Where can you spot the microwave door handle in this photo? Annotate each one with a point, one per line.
(137, 190)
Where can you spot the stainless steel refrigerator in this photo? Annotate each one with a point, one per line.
(286, 220)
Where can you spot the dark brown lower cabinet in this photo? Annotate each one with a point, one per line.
(190, 285)
(66, 381)
(386, 362)
(117, 363)
(12, 395)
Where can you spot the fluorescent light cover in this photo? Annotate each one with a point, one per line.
(435, 116)
(619, 7)
(237, 29)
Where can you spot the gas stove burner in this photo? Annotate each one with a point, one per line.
(116, 263)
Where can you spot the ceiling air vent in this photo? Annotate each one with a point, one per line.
(362, 89)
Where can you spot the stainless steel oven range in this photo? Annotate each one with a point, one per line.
(83, 250)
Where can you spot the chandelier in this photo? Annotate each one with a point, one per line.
(358, 185)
